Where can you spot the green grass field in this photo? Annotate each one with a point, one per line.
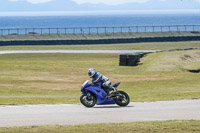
(139, 127)
(57, 78)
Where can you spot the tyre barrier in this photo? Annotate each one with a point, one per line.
(99, 41)
(171, 50)
(131, 59)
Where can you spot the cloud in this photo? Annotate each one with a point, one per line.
(109, 2)
(38, 1)
(33, 1)
(183, 0)
(14, 0)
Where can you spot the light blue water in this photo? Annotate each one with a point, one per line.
(99, 21)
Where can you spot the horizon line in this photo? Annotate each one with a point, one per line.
(92, 13)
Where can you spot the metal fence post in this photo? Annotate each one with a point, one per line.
(25, 31)
(81, 30)
(49, 31)
(177, 29)
(65, 31)
(73, 30)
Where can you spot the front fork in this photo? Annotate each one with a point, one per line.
(88, 95)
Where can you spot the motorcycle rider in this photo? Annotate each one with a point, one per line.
(98, 78)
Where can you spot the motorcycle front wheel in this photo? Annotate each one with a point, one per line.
(122, 101)
(88, 101)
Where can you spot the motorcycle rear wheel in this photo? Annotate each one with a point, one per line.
(122, 101)
(88, 102)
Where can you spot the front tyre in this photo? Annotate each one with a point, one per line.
(123, 99)
(88, 101)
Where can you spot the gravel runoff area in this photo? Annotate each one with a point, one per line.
(72, 114)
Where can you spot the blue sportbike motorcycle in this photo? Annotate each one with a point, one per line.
(94, 94)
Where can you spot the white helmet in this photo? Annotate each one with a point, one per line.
(91, 72)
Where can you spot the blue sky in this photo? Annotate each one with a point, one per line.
(95, 6)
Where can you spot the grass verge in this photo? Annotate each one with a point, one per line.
(139, 127)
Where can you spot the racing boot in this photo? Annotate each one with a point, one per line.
(114, 89)
(112, 94)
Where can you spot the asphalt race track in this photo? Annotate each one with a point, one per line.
(71, 114)
(72, 51)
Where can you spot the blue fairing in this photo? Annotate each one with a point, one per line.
(100, 94)
(116, 85)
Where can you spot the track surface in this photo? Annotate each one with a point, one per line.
(70, 114)
(73, 51)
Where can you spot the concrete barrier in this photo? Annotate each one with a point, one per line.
(99, 41)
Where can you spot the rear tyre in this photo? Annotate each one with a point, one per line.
(122, 101)
(88, 101)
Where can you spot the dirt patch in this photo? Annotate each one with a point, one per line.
(186, 56)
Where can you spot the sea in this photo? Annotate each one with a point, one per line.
(7, 22)
(98, 21)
